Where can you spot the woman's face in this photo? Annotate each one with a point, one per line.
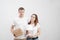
(32, 18)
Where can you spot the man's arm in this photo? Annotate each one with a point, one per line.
(12, 28)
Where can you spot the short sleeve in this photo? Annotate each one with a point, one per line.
(38, 25)
(28, 27)
(14, 23)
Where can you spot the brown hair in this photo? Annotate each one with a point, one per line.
(21, 8)
(36, 20)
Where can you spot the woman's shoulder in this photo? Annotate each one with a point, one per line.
(38, 25)
(28, 25)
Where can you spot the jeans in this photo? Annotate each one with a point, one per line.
(19, 39)
(32, 39)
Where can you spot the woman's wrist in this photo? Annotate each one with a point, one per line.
(35, 35)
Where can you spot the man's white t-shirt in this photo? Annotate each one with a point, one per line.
(32, 29)
(20, 23)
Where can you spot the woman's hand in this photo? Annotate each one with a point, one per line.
(30, 36)
(38, 33)
(35, 35)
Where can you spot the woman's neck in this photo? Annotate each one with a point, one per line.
(32, 23)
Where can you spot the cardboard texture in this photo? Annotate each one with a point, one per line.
(17, 32)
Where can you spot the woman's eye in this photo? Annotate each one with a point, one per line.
(33, 17)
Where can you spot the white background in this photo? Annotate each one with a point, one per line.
(47, 11)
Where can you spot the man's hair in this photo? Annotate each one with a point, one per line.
(21, 8)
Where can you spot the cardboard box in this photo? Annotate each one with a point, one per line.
(17, 32)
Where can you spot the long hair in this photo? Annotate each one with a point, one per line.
(36, 20)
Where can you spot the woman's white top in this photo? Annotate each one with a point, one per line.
(33, 29)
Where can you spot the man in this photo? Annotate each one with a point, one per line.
(20, 22)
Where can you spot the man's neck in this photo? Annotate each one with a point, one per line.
(21, 16)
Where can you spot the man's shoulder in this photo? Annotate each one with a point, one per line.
(26, 18)
(15, 18)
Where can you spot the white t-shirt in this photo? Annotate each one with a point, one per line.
(32, 29)
(20, 23)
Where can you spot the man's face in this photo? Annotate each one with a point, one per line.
(21, 12)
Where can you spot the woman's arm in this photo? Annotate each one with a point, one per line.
(38, 32)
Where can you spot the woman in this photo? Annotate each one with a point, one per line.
(33, 28)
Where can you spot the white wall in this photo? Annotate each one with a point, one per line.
(47, 10)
